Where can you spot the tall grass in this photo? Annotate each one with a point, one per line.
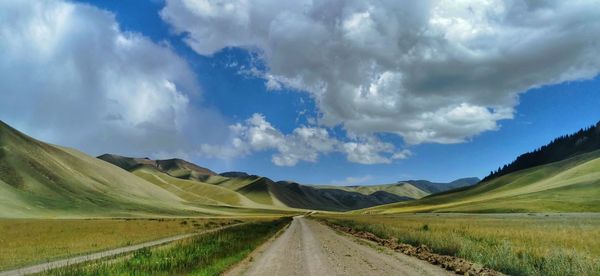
(515, 245)
(209, 254)
(30, 241)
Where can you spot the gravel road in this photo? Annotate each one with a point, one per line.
(310, 248)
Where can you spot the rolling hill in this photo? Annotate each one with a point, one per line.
(400, 189)
(174, 167)
(437, 187)
(39, 180)
(250, 191)
(568, 185)
(42, 180)
(561, 148)
(307, 197)
(414, 189)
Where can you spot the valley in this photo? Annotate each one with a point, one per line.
(293, 138)
(59, 205)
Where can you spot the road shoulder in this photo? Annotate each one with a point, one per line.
(241, 267)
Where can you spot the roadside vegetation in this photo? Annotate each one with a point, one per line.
(207, 254)
(515, 244)
(30, 241)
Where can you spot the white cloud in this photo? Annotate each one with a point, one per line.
(368, 152)
(403, 154)
(70, 75)
(351, 180)
(429, 71)
(303, 144)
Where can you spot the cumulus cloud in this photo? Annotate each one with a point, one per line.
(305, 143)
(429, 71)
(70, 75)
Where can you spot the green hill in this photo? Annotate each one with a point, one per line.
(44, 181)
(238, 189)
(174, 167)
(193, 191)
(309, 197)
(437, 187)
(400, 189)
(561, 148)
(413, 189)
(571, 185)
(41, 180)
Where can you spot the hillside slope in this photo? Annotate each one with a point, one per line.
(193, 191)
(238, 189)
(414, 189)
(571, 185)
(567, 146)
(406, 190)
(438, 187)
(306, 197)
(174, 167)
(41, 180)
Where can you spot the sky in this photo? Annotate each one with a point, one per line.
(320, 92)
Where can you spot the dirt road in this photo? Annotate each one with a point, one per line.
(310, 248)
(95, 256)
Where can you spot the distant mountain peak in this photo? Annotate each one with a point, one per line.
(234, 174)
(175, 167)
(438, 187)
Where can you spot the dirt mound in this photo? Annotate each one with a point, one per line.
(451, 263)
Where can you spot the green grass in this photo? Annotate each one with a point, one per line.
(571, 185)
(516, 244)
(30, 241)
(209, 254)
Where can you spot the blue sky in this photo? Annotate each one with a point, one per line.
(228, 93)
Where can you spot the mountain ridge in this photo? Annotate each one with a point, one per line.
(266, 192)
(583, 141)
(571, 184)
(174, 167)
(438, 187)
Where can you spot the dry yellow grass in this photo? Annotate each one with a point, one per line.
(517, 244)
(28, 241)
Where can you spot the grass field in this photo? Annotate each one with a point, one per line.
(571, 185)
(516, 244)
(209, 254)
(28, 241)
